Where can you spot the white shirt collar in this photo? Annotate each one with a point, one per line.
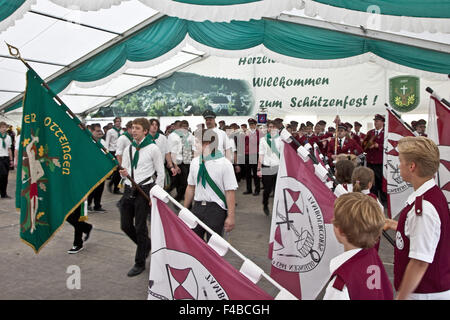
(422, 189)
(336, 262)
(365, 191)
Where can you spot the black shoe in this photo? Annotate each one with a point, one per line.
(90, 208)
(87, 234)
(256, 193)
(247, 192)
(75, 249)
(135, 271)
(6, 197)
(99, 210)
(266, 210)
(117, 192)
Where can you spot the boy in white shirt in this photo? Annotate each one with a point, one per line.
(212, 185)
(141, 160)
(268, 162)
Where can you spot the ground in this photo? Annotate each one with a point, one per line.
(109, 254)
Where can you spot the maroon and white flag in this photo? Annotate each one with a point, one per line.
(439, 132)
(184, 267)
(302, 240)
(397, 190)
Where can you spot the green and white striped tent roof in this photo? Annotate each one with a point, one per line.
(92, 52)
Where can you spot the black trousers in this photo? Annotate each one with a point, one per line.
(134, 210)
(212, 215)
(115, 177)
(96, 196)
(4, 170)
(79, 226)
(377, 188)
(269, 181)
(251, 172)
(179, 182)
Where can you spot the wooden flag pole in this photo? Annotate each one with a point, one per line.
(13, 51)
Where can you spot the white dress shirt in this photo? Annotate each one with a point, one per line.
(270, 158)
(221, 172)
(4, 151)
(111, 139)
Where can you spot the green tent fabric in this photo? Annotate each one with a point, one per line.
(409, 8)
(290, 39)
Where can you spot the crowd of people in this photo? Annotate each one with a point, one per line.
(204, 166)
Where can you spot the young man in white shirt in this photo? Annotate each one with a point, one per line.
(180, 143)
(422, 251)
(96, 195)
(223, 142)
(111, 144)
(6, 159)
(124, 141)
(268, 162)
(140, 160)
(211, 186)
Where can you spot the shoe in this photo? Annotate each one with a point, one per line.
(256, 193)
(87, 234)
(75, 249)
(266, 210)
(90, 208)
(247, 192)
(117, 192)
(110, 186)
(135, 271)
(6, 197)
(99, 210)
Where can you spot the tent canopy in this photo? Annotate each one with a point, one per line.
(123, 54)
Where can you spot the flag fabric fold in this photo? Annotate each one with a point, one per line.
(59, 165)
(302, 240)
(439, 132)
(184, 267)
(397, 190)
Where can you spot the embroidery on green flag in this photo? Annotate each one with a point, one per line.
(59, 165)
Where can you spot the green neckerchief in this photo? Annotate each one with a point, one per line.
(155, 137)
(273, 147)
(3, 138)
(203, 175)
(118, 130)
(126, 134)
(147, 140)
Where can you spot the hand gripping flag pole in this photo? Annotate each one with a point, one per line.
(13, 51)
(286, 135)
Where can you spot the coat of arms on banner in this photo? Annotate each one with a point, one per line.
(300, 246)
(404, 93)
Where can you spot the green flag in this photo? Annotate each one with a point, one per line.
(59, 165)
